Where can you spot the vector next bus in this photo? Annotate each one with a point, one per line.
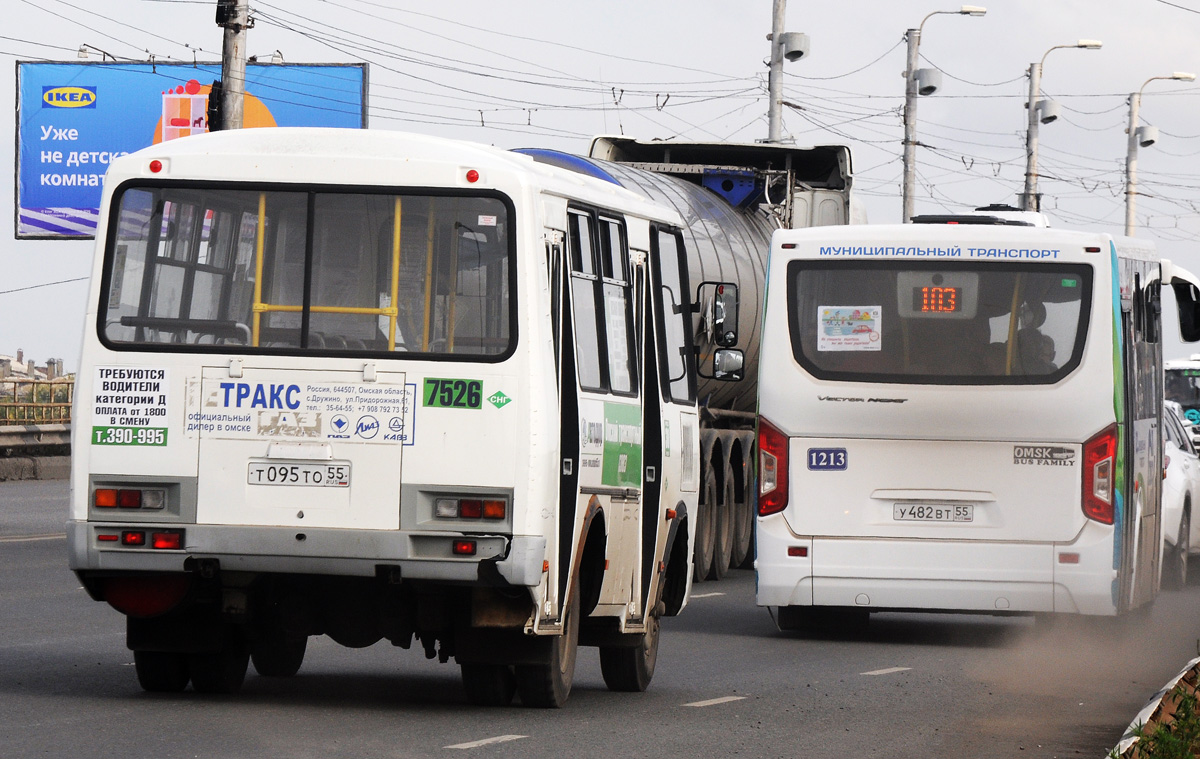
(961, 415)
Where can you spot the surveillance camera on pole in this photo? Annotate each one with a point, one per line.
(1141, 137)
(919, 82)
(1048, 110)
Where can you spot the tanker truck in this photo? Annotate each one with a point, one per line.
(731, 198)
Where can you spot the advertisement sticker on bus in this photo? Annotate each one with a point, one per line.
(129, 406)
(849, 328)
(360, 413)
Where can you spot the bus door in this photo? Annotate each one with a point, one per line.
(669, 388)
(608, 421)
(1140, 529)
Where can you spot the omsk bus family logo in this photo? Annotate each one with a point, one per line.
(68, 97)
(498, 399)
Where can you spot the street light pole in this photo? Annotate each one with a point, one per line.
(775, 74)
(910, 122)
(1135, 101)
(1030, 200)
(911, 90)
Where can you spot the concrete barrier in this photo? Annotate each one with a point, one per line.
(1159, 710)
(35, 468)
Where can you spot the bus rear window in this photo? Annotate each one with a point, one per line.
(219, 269)
(937, 323)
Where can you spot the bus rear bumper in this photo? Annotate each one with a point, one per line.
(920, 575)
(498, 559)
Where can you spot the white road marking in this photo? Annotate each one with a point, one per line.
(715, 701)
(888, 671)
(30, 538)
(488, 741)
(705, 595)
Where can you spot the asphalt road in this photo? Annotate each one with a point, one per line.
(728, 683)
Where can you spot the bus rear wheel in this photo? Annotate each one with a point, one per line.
(548, 685)
(630, 669)
(161, 671)
(1175, 563)
(278, 654)
(219, 672)
(489, 684)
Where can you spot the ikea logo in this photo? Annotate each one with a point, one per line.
(68, 97)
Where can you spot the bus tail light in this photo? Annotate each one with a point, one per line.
(1099, 471)
(470, 508)
(772, 469)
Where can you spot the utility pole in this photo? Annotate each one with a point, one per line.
(1030, 200)
(775, 74)
(910, 123)
(234, 17)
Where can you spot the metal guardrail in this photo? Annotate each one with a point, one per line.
(34, 439)
(29, 401)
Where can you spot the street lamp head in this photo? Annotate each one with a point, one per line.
(973, 10)
(1089, 44)
(1184, 76)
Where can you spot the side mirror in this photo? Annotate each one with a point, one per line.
(728, 364)
(719, 307)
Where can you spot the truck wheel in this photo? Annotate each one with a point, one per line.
(489, 684)
(219, 671)
(278, 654)
(723, 532)
(548, 685)
(743, 530)
(706, 512)
(161, 672)
(630, 669)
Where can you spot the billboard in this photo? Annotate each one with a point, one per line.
(73, 118)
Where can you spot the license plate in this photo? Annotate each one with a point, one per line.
(932, 512)
(328, 475)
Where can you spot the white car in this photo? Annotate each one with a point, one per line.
(1181, 488)
(1182, 385)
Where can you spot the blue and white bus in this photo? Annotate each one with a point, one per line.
(961, 415)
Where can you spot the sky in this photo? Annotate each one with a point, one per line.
(554, 73)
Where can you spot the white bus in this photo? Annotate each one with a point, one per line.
(961, 415)
(383, 386)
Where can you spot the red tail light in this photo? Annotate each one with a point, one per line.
(772, 469)
(1099, 475)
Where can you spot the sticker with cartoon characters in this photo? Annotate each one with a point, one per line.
(849, 328)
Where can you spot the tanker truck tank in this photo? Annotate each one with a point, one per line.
(731, 197)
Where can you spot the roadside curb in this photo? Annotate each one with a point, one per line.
(35, 468)
(1159, 710)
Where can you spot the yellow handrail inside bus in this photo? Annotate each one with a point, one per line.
(260, 234)
(1012, 325)
(259, 307)
(395, 277)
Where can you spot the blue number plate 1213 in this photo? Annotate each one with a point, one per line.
(827, 459)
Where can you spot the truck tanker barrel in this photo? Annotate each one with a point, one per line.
(731, 198)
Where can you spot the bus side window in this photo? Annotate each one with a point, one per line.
(583, 303)
(617, 289)
(1152, 312)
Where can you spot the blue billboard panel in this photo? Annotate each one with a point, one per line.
(74, 118)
